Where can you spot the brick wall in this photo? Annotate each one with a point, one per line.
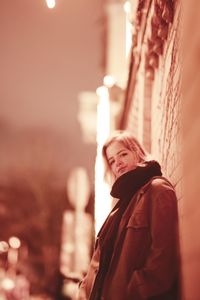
(133, 117)
(166, 108)
(154, 115)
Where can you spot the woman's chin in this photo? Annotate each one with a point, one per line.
(121, 173)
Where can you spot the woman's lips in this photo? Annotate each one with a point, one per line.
(121, 170)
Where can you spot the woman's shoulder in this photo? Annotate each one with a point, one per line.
(161, 183)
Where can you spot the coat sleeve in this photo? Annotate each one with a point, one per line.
(86, 285)
(160, 269)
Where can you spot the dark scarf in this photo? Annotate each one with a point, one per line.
(124, 188)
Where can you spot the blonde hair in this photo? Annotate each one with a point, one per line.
(128, 141)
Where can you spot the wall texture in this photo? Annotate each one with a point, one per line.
(154, 114)
(166, 102)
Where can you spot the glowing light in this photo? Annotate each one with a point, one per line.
(109, 81)
(14, 242)
(7, 284)
(78, 197)
(3, 247)
(103, 115)
(69, 248)
(51, 3)
(127, 7)
(102, 197)
(102, 92)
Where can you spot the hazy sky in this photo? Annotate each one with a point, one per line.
(46, 58)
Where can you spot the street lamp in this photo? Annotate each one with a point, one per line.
(51, 3)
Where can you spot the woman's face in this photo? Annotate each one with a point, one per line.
(120, 159)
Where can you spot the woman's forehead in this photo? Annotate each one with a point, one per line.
(114, 148)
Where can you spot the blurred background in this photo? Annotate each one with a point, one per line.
(49, 56)
(71, 72)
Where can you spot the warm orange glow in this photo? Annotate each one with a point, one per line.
(3, 247)
(14, 242)
(127, 7)
(51, 3)
(78, 197)
(102, 197)
(109, 81)
(7, 284)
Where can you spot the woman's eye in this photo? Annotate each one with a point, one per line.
(123, 154)
(111, 162)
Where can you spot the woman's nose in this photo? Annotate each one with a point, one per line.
(118, 162)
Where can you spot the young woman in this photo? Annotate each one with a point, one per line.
(136, 252)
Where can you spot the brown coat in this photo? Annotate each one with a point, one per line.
(144, 264)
